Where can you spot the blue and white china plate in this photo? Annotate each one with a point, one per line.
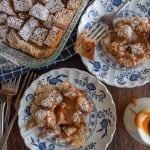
(103, 67)
(101, 122)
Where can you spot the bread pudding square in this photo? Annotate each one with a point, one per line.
(26, 31)
(3, 32)
(39, 36)
(54, 37)
(73, 4)
(22, 5)
(54, 6)
(48, 23)
(53, 99)
(6, 7)
(63, 18)
(14, 22)
(45, 118)
(39, 11)
(85, 46)
(3, 18)
(13, 39)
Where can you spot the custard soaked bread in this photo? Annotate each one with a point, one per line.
(36, 27)
(129, 42)
(60, 113)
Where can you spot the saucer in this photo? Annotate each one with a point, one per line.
(130, 113)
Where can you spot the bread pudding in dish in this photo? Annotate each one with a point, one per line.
(60, 113)
(128, 43)
(36, 27)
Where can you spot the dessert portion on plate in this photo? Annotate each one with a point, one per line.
(128, 43)
(60, 113)
(36, 27)
(85, 46)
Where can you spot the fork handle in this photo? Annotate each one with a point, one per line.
(3, 140)
(120, 8)
(8, 107)
(2, 107)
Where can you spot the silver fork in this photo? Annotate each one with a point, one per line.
(10, 88)
(30, 76)
(105, 22)
(2, 107)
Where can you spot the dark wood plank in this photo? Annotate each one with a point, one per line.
(121, 96)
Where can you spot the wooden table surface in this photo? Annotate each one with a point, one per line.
(122, 96)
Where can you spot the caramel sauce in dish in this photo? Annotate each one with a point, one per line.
(142, 121)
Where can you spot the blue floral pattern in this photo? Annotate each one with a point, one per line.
(96, 93)
(104, 67)
(105, 121)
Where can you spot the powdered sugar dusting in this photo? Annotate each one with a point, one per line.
(14, 22)
(40, 12)
(53, 99)
(5, 7)
(26, 31)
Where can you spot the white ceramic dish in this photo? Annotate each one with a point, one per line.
(129, 116)
(104, 68)
(101, 122)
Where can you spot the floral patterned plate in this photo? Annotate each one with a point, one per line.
(101, 122)
(103, 67)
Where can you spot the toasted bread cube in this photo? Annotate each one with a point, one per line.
(79, 138)
(84, 105)
(64, 18)
(49, 21)
(54, 5)
(54, 37)
(22, 5)
(13, 39)
(14, 22)
(28, 28)
(53, 100)
(3, 18)
(45, 118)
(69, 90)
(6, 8)
(73, 4)
(40, 12)
(3, 32)
(85, 46)
(39, 36)
(69, 130)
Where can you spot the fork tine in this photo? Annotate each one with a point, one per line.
(26, 83)
(18, 81)
(100, 35)
(97, 30)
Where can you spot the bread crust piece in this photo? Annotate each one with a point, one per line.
(16, 42)
(63, 18)
(85, 46)
(54, 37)
(73, 4)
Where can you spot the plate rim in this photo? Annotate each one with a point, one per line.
(91, 76)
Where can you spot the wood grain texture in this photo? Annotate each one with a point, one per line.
(122, 96)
